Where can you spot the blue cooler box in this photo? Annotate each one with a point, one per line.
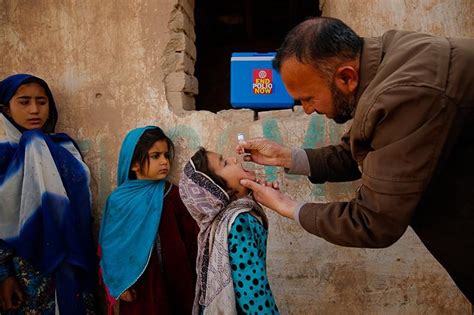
(255, 84)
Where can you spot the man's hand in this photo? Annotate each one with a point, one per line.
(265, 152)
(11, 294)
(269, 195)
(128, 295)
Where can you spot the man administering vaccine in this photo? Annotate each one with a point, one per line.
(410, 97)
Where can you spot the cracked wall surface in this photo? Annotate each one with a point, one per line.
(117, 65)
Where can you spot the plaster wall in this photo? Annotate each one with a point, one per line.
(116, 65)
(452, 18)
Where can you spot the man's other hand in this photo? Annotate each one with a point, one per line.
(269, 195)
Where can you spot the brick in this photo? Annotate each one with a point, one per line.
(180, 22)
(181, 82)
(188, 7)
(180, 42)
(183, 62)
(180, 101)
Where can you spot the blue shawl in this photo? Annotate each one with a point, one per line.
(130, 223)
(45, 203)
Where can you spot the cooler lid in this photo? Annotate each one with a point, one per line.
(252, 56)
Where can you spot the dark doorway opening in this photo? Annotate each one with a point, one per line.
(223, 27)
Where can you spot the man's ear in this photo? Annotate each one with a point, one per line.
(346, 79)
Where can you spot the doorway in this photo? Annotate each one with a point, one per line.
(224, 27)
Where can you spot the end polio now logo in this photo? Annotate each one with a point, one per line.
(262, 81)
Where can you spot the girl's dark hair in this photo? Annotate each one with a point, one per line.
(146, 141)
(202, 164)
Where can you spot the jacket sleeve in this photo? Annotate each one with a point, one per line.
(6, 267)
(406, 140)
(333, 163)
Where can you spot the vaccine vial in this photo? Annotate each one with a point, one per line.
(250, 166)
(240, 138)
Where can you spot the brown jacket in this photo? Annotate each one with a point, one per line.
(412, 137)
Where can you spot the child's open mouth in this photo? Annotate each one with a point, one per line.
(248, 172)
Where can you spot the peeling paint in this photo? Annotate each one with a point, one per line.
(315, 133)
(272, 132)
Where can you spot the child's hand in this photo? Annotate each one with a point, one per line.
(129, 295)
(11, 295)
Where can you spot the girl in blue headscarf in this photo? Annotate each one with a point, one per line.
(47, 256)
(147, 238)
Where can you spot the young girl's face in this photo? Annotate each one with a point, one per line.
(231, 171)
(158, 165)
(29, 107)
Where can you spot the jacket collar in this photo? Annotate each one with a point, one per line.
(369, 62)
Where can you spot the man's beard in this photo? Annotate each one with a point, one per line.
(343, 104)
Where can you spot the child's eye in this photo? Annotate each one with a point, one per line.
(24, 102)
(154, 156)
(167, 156)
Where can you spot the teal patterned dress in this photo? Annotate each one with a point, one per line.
(247, 242)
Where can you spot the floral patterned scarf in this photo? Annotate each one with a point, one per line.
(210, 206)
